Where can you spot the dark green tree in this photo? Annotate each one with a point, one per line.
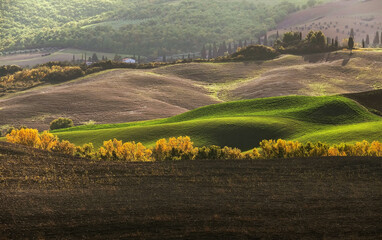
(203, 53)
(351, 44)
(94, 58)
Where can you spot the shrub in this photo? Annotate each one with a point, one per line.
(9, 69)
(48, 141)
(86, 151)
(130, 151)
(24, 136)
(180, 148)
(65, 147)
(256, 52)
(61, 123)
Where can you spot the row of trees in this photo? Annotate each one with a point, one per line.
(182, 148)
(376, 41)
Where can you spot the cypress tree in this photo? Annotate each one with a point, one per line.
(376, 39)
(277, 35)
(94, 58)
(351, 44)
(367, 40)
(336, 42)
(203, 53)
(224, 47)
(266, 40)
(363, 43)
(352, 33)
(215, 51)
(229, 48)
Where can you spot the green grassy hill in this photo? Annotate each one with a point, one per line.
(244, 124)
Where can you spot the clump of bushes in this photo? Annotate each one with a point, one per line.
(182, 148)
(129, 151)
(314, 42)
(9, 69)
(61, 123)
(253, 52)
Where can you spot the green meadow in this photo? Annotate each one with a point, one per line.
(243, 124)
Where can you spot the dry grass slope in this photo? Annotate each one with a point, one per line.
(131, 95)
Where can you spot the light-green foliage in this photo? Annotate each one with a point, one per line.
(136, 26)
(244, 124)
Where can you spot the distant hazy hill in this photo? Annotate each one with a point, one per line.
(143, 27)
(337, 19)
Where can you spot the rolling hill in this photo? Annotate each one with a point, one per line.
(336, 19)
(244, 124)
(125, 95)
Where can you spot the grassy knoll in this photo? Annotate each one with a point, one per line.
(52, 196)
(245, 123)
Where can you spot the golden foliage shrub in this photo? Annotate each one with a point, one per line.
(129, 151)
(65, 147)
(48, 141)
(24, 136)
(181, 148)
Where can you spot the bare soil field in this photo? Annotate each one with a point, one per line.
(50, 196)
(370, 99)
(125, 95)
(33, 59)
(110, 97)
(337, 18)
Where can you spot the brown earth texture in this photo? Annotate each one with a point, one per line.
(50, 196)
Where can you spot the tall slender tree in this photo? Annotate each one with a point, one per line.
(351, 44)
(215, 51)
(376, 39)
(203, 53)
(266, 40)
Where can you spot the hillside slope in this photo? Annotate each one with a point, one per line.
(244, 124)
(132, 95)
(47, 195)
(336, 19)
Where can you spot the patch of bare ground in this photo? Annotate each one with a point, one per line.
(45, 195)
(370, 99)
(112, 97)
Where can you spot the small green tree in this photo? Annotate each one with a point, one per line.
(61, 123)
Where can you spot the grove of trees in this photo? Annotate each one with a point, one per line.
(142, 27)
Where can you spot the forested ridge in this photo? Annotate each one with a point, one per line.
(145, 27)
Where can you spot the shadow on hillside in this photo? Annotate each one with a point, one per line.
(346, 60)
(319, 57)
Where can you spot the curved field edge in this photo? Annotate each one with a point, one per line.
(244, 124)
